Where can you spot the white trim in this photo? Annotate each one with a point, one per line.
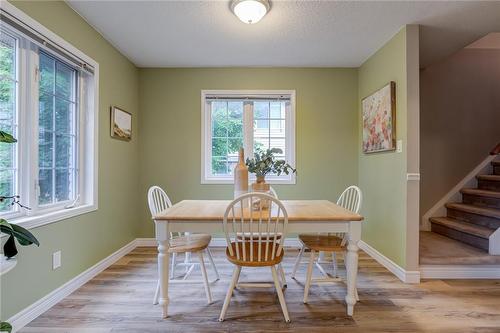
(88, 167)
(401, 273)
(34, 310)
(460, 271)
(206, 178)
(454, 194)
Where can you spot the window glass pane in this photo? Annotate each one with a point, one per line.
(7, 56)
(47, 74)
(6, 188)
(64, 81)
(260, 109)
(45, 115)
(219, 166)
(219, 147)
(45, 183)
(276, 109)
(227, 135)
(64, 179)
(64, 116)
(57, 126)
(45, 149)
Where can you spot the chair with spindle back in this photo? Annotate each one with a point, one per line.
(350, 199)
(158, 201)
(261, 246)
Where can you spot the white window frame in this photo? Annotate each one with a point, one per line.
(206, 134)
(87, 142)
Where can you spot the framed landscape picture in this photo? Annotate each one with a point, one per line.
(379, 120)
(121, 124)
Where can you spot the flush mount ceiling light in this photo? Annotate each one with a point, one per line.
(250, 11)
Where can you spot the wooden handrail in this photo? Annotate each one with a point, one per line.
(496, 150)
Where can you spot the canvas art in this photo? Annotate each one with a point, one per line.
(121, 124)
(379, 120)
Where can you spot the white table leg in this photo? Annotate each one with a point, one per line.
(352, 265)
(162, 236)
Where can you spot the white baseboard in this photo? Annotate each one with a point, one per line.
(460, 271)
(401, 273)
(31, 312)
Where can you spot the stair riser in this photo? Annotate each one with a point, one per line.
(485, 221)
(488, 185)
(496, 170)
(481, 201)
(472, 240)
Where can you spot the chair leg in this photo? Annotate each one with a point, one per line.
(205, 277)
(297, 262)
(283, 277)
(217, 276)
(335, 266)
(234, 281)
(157, 294)
(173, 264)
(281, 297)
(309, 276)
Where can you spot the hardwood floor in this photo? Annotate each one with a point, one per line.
(120, 300)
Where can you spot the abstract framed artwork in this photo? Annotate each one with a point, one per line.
(379, 120)
(121, 124)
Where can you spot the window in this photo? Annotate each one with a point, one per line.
(254, 120)
(48, 101)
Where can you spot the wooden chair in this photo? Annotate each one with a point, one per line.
(185, 243)
(350, 199)
(261, 247)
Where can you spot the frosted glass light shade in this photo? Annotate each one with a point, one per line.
(250, 11)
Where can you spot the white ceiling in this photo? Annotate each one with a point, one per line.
(294, 33)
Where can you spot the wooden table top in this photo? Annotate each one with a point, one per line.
(298, 210)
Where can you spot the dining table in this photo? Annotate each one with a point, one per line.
(304, 216)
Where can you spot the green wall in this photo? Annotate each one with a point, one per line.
(382, 176)
(170, 124)
(88, 238)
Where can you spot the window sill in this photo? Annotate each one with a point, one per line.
(30, 222)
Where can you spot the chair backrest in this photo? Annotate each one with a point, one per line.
(158, 201)
(273, 192)
(262, 219)
(351, 199)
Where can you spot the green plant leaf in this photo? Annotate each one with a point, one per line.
(6, 137)
(9, 248)
(24, 237)
(5, 327)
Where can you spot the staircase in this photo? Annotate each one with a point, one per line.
(477, 217)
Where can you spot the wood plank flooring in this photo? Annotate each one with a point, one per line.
(120, 300)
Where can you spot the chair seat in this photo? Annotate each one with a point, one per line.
(324, 243)
(189, 243)
(265, 261)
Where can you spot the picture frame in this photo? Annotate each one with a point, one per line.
(121, 124)
(379, 120)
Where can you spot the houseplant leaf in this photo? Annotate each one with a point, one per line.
(9, 248)
(24, 237)
(6, 137)
(5, 327)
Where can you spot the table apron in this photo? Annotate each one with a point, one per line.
(212, 227)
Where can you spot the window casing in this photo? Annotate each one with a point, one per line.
(53, 117)
(254, 120)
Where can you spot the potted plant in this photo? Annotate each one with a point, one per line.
(265, 163)
(13, 231)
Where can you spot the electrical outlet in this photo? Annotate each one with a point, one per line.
(399, 146)
(56, 260)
